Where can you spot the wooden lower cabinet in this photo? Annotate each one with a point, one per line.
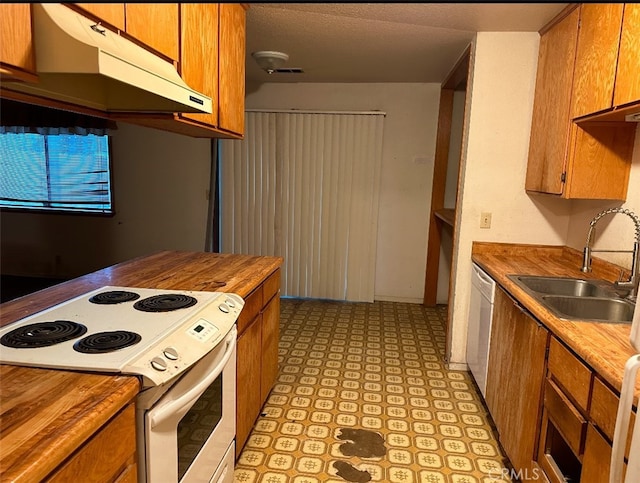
(110, 455)
(269, 346)
(515, 379)
(248, 399)
(596, 461)
(257, 353)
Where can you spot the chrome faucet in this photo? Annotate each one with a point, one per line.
(632, 283)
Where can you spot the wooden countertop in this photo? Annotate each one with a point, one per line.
(603, 346)
(45, 415)
(169, 270)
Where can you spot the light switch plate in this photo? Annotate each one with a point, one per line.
(485, 220)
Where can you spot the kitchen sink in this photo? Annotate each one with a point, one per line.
(578, 299)
(591, 308)
(566, 286)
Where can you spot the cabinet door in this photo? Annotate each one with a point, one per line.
(199, 54)
(600, 160)
(112, 13)
(596, 461)
(549, 144)
(17, 60)
(627, 79)
(232, 53)
(155, 25)
(248, 378)
(597, 54)
(107, 454)
(514, 379)
(270, 337)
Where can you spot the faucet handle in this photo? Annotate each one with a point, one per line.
(621, 275)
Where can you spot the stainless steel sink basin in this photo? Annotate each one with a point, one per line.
(578, 299)
(591, 308)
(565, 286)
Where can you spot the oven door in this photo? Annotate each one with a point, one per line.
(190, 430)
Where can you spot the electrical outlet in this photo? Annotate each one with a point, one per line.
(485, 220)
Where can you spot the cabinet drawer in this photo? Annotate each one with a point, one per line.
(252, 307)
(107, 454)
(570, 374)
(604, 408)
(566, 418)
(271, 286)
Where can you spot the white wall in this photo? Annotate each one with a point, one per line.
(495, 149)
(407, 167)
(160, 182)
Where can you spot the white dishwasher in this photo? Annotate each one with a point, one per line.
(479, 331)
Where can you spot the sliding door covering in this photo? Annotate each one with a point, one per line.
(305, 186)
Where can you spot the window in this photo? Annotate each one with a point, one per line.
(55, 172)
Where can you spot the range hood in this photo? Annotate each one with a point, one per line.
(81, 62)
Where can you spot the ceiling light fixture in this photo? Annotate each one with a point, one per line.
(269, 60)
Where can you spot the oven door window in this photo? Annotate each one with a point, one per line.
(197, 425)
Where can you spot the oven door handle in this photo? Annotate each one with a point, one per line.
(169, 411)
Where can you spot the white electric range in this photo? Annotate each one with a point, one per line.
(152, 333)
(182, 346)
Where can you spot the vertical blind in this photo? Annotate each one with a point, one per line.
(305, 186)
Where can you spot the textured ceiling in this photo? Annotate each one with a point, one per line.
(378, 42)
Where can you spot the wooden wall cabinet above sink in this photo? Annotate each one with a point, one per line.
(608, 58)
(589, 158)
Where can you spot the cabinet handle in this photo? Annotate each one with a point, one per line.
(522, 309)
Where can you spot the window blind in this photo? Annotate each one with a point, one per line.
(65, 172)
(305, 186)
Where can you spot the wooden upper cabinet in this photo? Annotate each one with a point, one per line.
(155, 25)
(627, 87)
(111, 13)
(232, 75)
(571, 158)
(600, 160)
(17, 52)
(597, 54)
(549, 144)
(199, 54)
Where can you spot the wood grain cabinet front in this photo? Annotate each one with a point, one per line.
(514, 380)
(578, 420)
(156, 25)
(17, 51)
(257, 363)
(567, 394)
(111, 13)
(110, 454)
(206, 42)
(211, 61)
(588, 159)
(627, 86)
(596, 57)
(608, 58)
(153, 25)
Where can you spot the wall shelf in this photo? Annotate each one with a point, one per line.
(447, 215)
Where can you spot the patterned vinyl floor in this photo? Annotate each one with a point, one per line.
(363, 395)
